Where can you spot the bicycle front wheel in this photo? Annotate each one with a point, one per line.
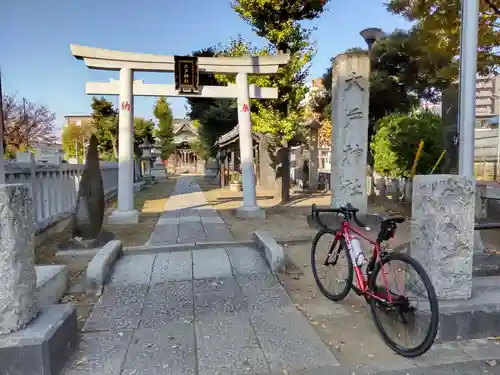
(331, 265)
(414, 309)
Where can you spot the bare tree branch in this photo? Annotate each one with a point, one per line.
(495, 8)
(26, 123)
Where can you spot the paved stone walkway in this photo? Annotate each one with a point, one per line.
(167, 314)
(188, 218)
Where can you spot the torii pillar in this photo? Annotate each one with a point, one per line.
(125, 212)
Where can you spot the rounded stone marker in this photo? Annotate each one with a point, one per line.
(89, 214)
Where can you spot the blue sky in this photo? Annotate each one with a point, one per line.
(36, 61)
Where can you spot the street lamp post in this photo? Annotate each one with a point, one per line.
(371, 35)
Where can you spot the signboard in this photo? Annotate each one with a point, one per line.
(186, 73)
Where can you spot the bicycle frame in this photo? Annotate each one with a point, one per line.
(362, 287)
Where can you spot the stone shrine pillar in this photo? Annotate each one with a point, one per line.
(249, 207)
(313, 155)
(125, 213)
(442, 233)
(18, 294)
(350, 99)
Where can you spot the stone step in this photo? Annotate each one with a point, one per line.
(51, 282)
(475, 318)
(486, 264)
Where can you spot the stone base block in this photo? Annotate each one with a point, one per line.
(123, 217)
(139, 186)
(150, 180)
(51, 283)
(44, 346)
(442, 233)
(250, 212)
(486, 264)
(475, 318)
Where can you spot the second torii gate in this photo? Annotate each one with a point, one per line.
(126, 88)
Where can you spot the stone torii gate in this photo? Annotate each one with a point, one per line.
(126, 88)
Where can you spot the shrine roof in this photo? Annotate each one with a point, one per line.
(233, 135)
(184, 124)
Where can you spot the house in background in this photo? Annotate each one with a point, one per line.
(487, 102)
(78, 119)
(46, 152)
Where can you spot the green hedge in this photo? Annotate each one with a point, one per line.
(397, 138)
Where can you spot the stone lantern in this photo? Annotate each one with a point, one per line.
(147, 157)
(223, 167)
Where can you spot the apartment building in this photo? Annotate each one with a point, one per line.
(78, 119)
(487, 101)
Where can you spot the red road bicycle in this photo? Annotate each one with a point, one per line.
(398, 303)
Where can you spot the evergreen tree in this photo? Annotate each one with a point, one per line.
(165, 131)
(105, 121)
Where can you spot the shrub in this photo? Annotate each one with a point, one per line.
(396, 141)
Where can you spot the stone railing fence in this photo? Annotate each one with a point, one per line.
(55, 187)
(395, 189)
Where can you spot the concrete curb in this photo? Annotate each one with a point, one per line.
(295, 240)
(272, 250)
(70, 254)
(170, 248)
(100, 265)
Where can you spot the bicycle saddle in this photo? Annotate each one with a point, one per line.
(390, 219)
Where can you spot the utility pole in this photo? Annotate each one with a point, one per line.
(77, 151)
(2, 125)
(467, 101)
(497, 97)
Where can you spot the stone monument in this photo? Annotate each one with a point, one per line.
(350, 98)
(33, 341)
(89, 213)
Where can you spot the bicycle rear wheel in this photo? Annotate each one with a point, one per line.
(404, 311)
(326, 260)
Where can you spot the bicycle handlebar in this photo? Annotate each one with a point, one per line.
(347, 209)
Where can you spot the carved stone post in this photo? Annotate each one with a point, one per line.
(350, 99)
(442, 233)
(313, 155)
(18, 299)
